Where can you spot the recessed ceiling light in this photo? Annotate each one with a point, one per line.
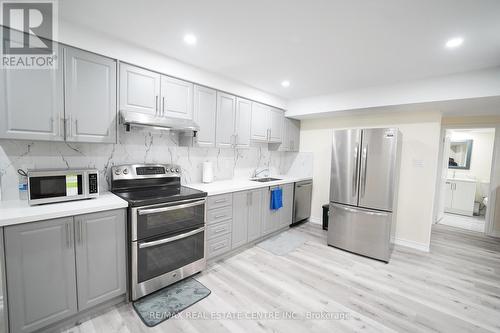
(454, 42)
(285, 83)
(190, 39)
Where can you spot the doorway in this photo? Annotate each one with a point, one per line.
(466, 177)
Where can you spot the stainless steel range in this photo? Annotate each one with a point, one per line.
(166, 225)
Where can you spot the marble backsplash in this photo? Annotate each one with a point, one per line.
(143, 146)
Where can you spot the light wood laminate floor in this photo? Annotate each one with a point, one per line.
(454, 288)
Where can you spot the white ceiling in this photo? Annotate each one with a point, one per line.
(321, 46)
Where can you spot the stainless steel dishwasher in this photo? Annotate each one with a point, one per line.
(302, 201)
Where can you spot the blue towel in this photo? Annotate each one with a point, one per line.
(276, 198)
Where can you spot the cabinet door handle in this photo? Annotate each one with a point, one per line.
(163, 106)
(220, 229)
(68, 240)
(81, 232)
(156, 105)
(61, 125)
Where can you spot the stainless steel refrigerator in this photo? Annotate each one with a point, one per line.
(363, 190)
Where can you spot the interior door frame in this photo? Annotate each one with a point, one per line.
(494, 173)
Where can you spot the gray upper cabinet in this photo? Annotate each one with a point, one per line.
(243, 122)
(32, 103)
(260, 128)
(205, 109)
(255, 213)
(41, 284)
(139, 90)
(267, 123)
(100, 257)
(240, 218)
(90, 95)
(275, 125)
(176, 98)
(226, 115)
(291, 135)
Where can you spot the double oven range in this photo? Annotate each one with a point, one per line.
(166, 225)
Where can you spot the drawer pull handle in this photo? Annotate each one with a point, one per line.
(218, 247)
(220, 201)
(219, 216)
(216, 231)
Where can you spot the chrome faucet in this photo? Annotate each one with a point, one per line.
(255, 173)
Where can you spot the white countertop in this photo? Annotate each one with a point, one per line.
(18, 211)
(235, 185)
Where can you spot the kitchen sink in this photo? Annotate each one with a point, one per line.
(264, 180)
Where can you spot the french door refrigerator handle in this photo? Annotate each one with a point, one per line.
(355, 171)
(364, 161)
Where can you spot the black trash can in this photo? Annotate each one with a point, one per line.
(326, 208)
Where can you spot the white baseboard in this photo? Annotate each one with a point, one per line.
(412, 244)
(315, 220)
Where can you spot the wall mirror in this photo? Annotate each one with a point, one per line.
(460, 154)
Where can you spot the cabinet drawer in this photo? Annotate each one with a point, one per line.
(219, 214)
(218, 201)
(219, 245)
(219, 229)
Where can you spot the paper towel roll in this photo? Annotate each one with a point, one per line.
(208, 172)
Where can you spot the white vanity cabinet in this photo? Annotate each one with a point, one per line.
(460, 196)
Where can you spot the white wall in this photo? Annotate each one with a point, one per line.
(481, 83)
(100, 43)
(421, 132)
(482, 154)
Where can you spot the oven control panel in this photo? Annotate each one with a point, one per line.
(152, 170)
(141, 171)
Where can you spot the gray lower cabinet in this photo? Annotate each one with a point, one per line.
(247, 216)
(89, 95)
(255, 213)
(40, 267)
(287, 210)
(240, 218)
(276, 219)
(100, 257)
(56, 268)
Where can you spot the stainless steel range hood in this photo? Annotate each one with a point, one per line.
(186, 126)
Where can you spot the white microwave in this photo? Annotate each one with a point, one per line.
(57, 185)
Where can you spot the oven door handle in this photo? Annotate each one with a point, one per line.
(171, 239)
(169, 208)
